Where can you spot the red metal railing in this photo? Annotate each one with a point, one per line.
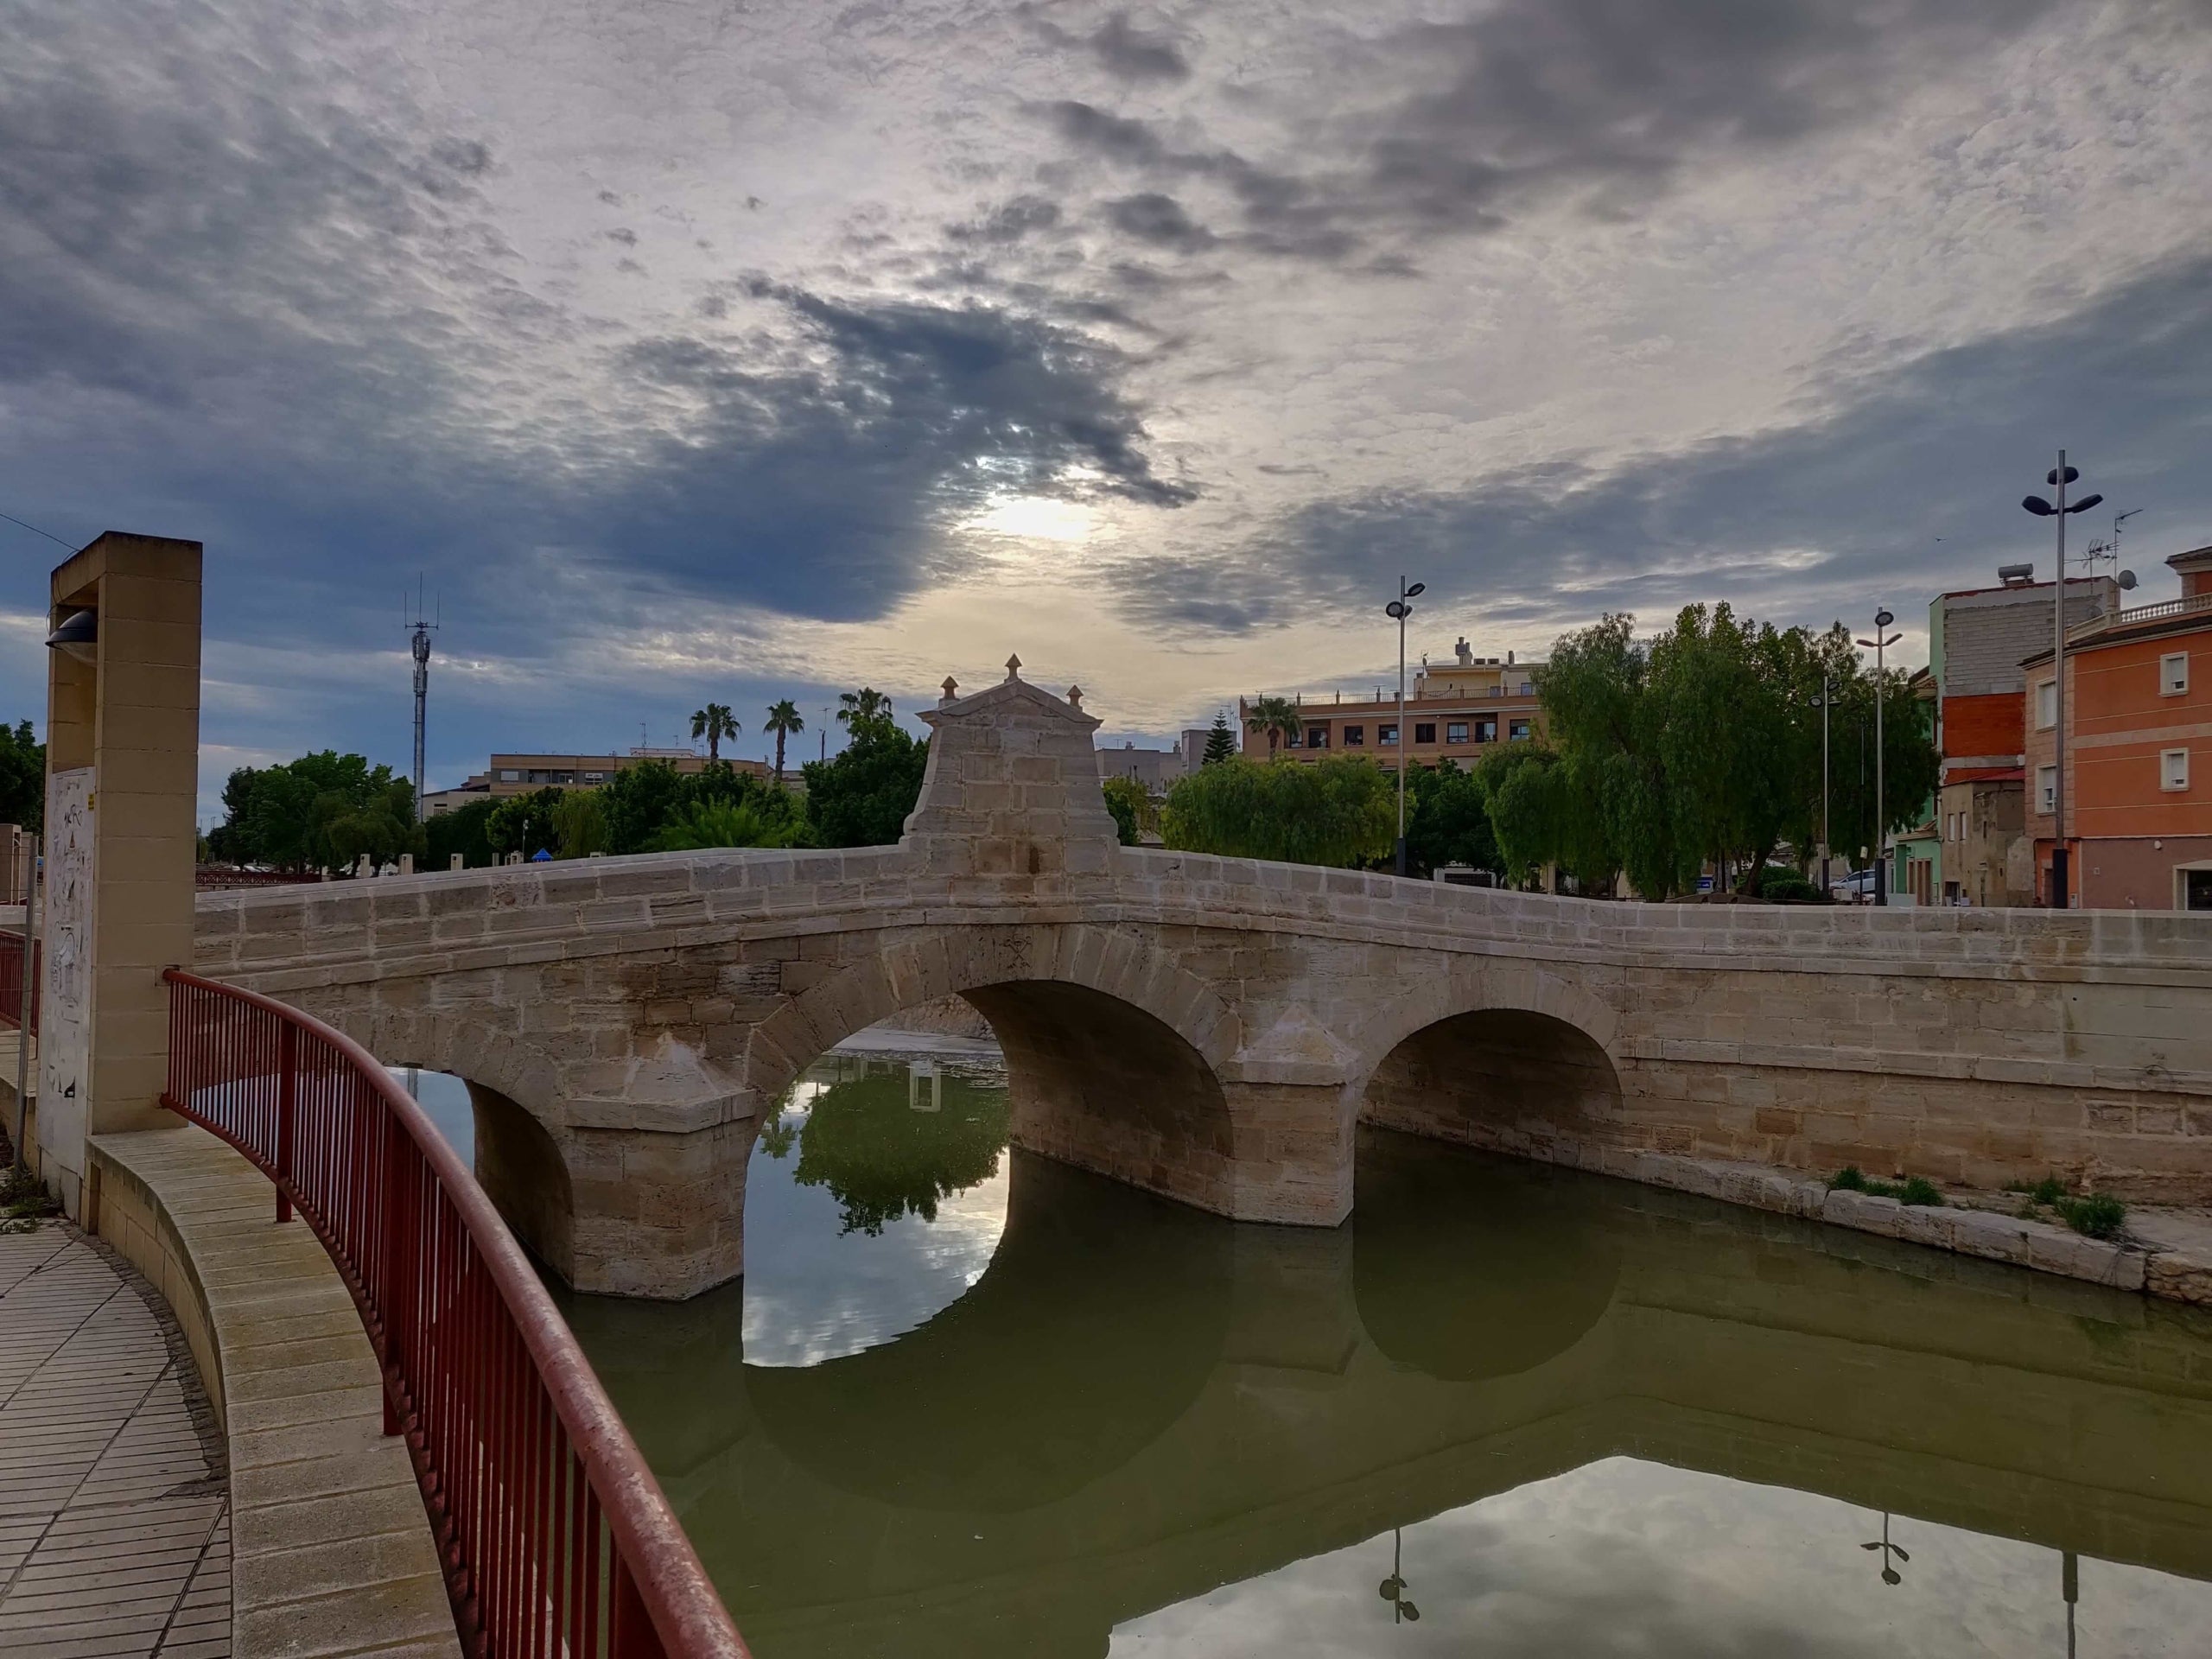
(11, 978)
(555, 1536)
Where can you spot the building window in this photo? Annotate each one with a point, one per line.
(1425, 731)
(1294, 740)
(1386, 737)
(2173, 769)
(1486, 730)
(2173, 674)
(594, 777)
(1455, 731)
(1516, 730)
(1355, 737)
(2197, 890)
(1317, 737)
(1527, 688)
(2046, 704)
(2046, 789)
(510, 777)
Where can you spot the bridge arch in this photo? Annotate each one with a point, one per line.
(1517, 1060)
(1111, 1049)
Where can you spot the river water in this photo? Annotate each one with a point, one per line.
(967, 1401)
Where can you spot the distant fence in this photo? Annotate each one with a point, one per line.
(11, 979)
(207, 877)
(555, 1536)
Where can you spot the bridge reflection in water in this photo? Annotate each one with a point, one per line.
(1643, 1396)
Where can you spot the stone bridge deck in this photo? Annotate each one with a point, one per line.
(1212, 1028)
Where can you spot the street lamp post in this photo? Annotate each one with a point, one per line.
(1823, 703)
(1400, 609)
(2059, 477)
(1881, 643)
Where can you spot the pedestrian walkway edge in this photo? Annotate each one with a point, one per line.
(333, 1553)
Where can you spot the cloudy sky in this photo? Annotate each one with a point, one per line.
(692, 349)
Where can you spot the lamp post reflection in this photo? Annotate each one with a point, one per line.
(2070, 1585)
(1890, 1574)
(1393, 1589)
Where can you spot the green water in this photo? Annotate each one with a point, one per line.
(971, 1402)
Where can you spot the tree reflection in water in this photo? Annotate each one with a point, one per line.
(867, 1140)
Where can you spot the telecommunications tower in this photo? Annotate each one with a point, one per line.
(422, 630)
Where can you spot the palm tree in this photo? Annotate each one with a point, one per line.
(783, 720)
(858, 707)
(713, 722)
(1277, 716)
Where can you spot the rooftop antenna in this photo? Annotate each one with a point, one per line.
(2106, 548)
(421, 645)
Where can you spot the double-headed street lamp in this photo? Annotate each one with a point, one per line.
(1879, 644)
(1399, 608)
(2059, 477)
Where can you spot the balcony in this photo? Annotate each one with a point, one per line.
(2099, 625)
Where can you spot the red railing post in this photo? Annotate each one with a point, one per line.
(288, 1106)
(632, 1635)
(391, 1221)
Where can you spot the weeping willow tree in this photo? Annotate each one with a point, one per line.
(1341, 811)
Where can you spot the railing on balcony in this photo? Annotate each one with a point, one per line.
(555, 1537)
(11, 978)
(2076, 631)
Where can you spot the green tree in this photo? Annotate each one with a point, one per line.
(861, 797)
(1340, 812)
(637, 801)
(1704, 745)
(319, 812)
(724, 824)
(865, 707)
(713, 722)
(22, 778)
(461, 830)
(1447, 821)
(1220, 741)
(579, 823)
(529, 824)
(1277, 716)
(1131, 804)
(784, 720)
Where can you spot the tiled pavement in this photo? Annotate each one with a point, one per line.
(114, 1503)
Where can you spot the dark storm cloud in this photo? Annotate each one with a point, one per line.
(1598, 104)
(1137, 54)
(1009, 222)
(1797, 523)
(1158, 219)
(1123, 49)
(239, 308)
(814, 482)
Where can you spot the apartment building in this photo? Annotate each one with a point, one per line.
(522, 774)
(1154, 768)
(2139, 752)
(1452, 712)
(1977, 638)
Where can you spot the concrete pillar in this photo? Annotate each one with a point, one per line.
(123, 761)
(453, 860)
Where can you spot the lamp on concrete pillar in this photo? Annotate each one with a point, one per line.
(78, 634)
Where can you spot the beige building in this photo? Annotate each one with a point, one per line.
(522, 774)
(1454, 711)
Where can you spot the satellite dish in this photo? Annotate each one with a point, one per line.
(2128, 582)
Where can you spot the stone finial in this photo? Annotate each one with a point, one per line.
(951, 688)
(1075, 697)
(1013, 668)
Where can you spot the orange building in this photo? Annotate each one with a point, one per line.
(2139, 752)
(1454, 712)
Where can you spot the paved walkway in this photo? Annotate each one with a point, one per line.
(114, 1502)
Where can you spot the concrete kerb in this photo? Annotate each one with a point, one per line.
(332, 1550)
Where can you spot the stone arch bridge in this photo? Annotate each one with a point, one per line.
(1213, 1028)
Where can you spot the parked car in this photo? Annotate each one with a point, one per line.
(1856, 888)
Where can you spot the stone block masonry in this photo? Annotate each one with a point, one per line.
(1213, 1028)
